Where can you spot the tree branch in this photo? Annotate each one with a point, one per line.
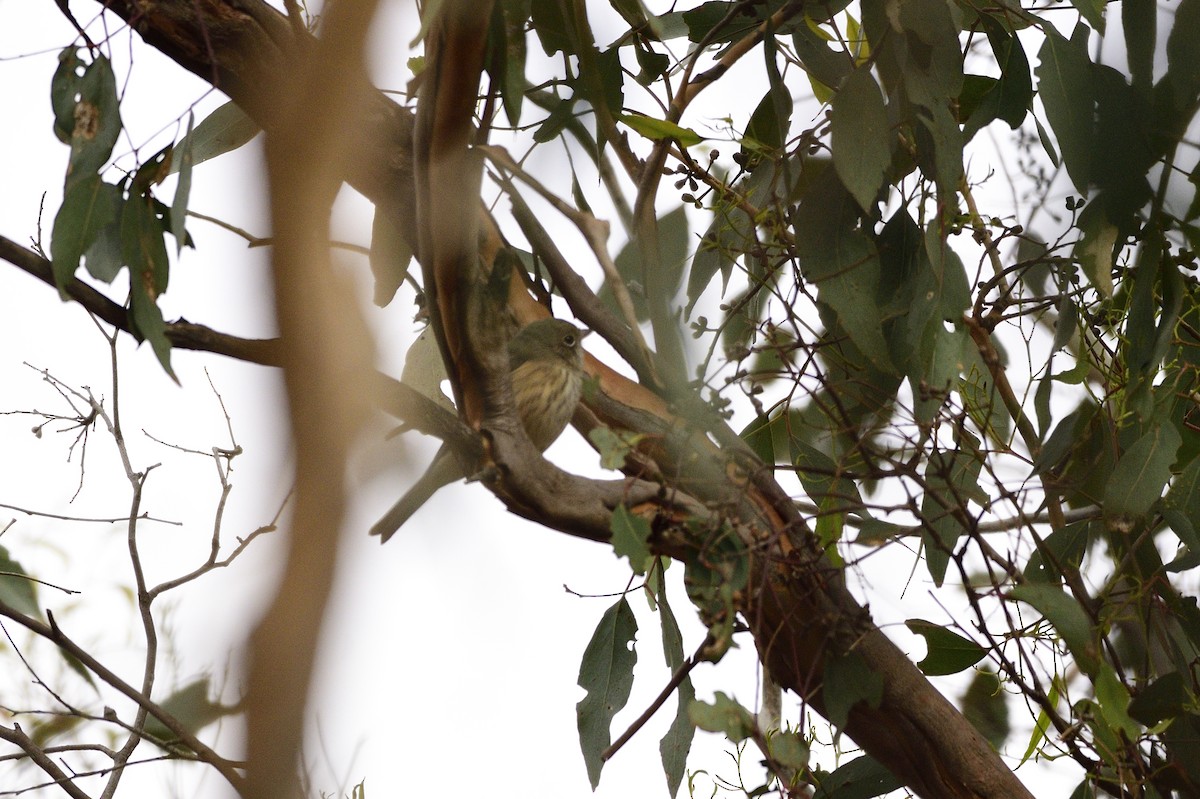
(51, 632)
(184, 335)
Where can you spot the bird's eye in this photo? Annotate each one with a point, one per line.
(569, 339)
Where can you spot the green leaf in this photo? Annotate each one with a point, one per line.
(768, 128)
(1058, 445)
(724, 715)
(789, 750)
(1068, 619)
(144, 250)
(143, 247)
(1113, 698)
(1010, 97)
(1084, 790)
(861, 778)
(862, 136)
(843, 263)
(17, 589)
(985, 707)
(42, 731)
(935, 294)
(613, 445)
(191, 707)
(224, 130)
(63, 88)
(629, 535)
(1137, 481)
(1183, 53)
(1181, 737)
(923, 72)
(1065, 86)
(940, 150)
(653, 64)
(933, 73)
(702, 22)
(88, 206)
(658, 129)
(1062, 548)
(677, 742)
(606, 88)
(103, 258)
(848, 680)
(716, 253)
(1155, 302)
(824, 482)
(1042, 725)
(729, 235)
(514, 14)
(553, 24)
(874, 532)
(947, 651)
(151, 172)
(185, 158)
(1139, 23)
(606, 673)
(673, 242)
(672, 638)
(983, 404)
(1165, 698)
(554, 123)
(1093, 12)
(390, 258)
(822, 63)
(951, 479)
(712, 577)
(149, 324)
(1181, 506)
(759, 435)
(87, 113)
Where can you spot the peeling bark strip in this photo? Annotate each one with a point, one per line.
(800, 613)
(448, 184)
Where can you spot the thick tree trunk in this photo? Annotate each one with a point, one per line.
(797, 606)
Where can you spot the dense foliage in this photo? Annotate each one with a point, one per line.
(938, 271)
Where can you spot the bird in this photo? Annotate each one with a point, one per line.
(545, 360)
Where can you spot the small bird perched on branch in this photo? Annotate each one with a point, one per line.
(546, 362)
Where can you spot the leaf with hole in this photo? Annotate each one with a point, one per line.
(947, 652)
(606, 673)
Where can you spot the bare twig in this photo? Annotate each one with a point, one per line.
(51, 632)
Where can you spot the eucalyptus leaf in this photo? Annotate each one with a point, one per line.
(1069, 620)
(862, 136)
(658, 129)
(674, 746)
(1138, 480)
(88, 206)
(947, 651)
(606, 673)
(985, 705)
(849, 680)
(17, 589)
(1065, 85)
(629, 535)
(226, 129)
(724, 715)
